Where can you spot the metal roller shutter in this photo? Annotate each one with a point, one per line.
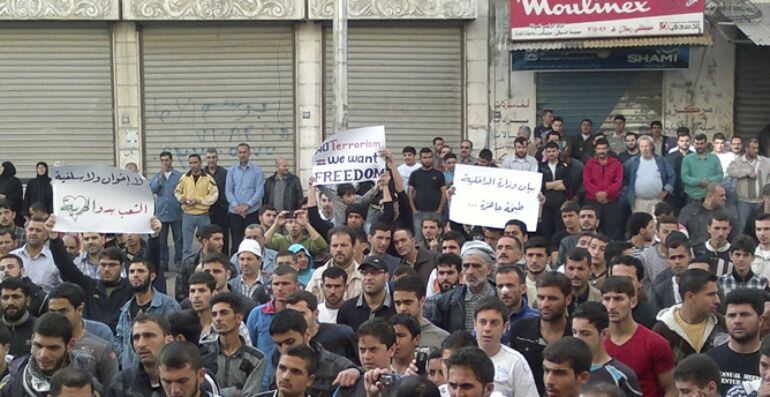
(601, 95)
(408, 79)
(56, 100)
(752, 89)
(216, 86)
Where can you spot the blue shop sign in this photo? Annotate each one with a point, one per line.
(672, 57)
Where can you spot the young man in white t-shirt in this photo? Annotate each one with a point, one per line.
(410, 164)
(333, 285)
(513, 377)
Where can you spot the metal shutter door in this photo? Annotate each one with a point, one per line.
(56, 95)
(752, 89)
(216, 86)
(601, 95)
(407, 79)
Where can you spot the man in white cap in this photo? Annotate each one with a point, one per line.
(251, 282)
(454, 308)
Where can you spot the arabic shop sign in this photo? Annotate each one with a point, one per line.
(101, 199)
(580, 19)
(674, 57)
(485, 196)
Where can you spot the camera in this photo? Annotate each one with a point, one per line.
(388, 380)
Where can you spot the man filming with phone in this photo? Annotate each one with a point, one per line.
(298, 230)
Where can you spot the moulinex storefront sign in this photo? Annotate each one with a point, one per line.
(585, 19)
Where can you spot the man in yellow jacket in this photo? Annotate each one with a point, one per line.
(197, 191)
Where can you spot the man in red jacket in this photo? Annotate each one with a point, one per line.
(602, 179)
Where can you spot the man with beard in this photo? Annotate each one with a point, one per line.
(512, 290)
(11, 266)
(14, 300)
(375, 301)
(409, 297)
(149, 334)
(146, 299)
(530, 336)
(700, 169)
(536, 255)
(449, 267)
(632, 149)
(98, 354)
(737, 359)
(284, 282)
(341, 241)
(106, 296)
(380, 237)
(578, 270)
(454, 309)
(520, 160)
(412, 254)
(88, 261)
(298, 231)
(30, 376)
(333, 286)
(675, 156)
(427, 189)
(717, 248)
(603, 179)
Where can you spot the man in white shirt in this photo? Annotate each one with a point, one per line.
(37, 258)
(520, 161)
(513, 377)
(333, 284)
(410, 164)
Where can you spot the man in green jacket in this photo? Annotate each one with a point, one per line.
(699, 169)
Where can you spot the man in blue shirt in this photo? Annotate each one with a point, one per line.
(167, 208)
(245, 188)
(512, 290)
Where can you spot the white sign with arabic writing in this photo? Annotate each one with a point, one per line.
(486, 196)
(101, 199)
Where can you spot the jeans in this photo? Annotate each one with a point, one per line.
(176, 230)
(238, 227)
(745, 209)
(189, 224)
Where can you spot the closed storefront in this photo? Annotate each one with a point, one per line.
(208, 85)
(409, 79)
(637, 95)
(56, 96)
(752, 89)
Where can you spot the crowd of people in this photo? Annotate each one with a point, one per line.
(647, 275)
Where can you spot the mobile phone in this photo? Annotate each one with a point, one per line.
(421, 360)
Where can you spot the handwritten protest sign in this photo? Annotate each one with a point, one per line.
(350, 156)
(490, 197)
(101, 199)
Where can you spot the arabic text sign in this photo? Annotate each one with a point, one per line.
(490, 197)
(350, 156)
(101, 199)
(580, 19)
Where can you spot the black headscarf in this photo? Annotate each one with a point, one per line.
(9, 169)
(45, 176)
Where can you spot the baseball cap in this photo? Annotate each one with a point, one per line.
(251, 246)
(373, 261)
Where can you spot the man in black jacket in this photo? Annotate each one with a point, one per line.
(16, 316)
(11, 266)
(283, 190)
(107, 295)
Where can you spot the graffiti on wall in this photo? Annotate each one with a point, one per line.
(508, 115)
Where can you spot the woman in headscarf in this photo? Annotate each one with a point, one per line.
(39, 189)
(10, 189)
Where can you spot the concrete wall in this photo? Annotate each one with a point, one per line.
(701, 97)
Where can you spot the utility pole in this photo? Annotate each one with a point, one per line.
(340, 43)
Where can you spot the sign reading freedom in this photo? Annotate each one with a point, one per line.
(101, 199)
(350, 156)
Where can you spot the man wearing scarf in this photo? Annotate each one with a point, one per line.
(31, 375)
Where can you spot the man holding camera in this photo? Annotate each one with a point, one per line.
(298, 231)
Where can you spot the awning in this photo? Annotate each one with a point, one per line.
(758, 30)
(703, 40)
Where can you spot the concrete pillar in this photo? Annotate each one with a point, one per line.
(309, 101)
(477, 77)
(127, 94)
